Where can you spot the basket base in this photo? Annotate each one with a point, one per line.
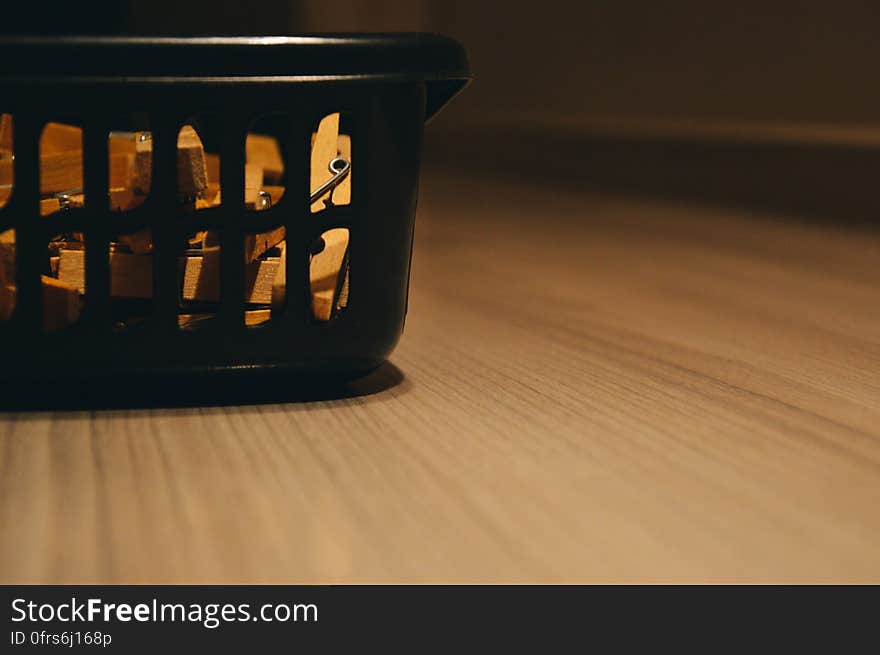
(219, 386)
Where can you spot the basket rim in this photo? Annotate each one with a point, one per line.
(439, 61)
(421, 55)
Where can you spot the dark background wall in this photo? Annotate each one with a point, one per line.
(770, 105)
(659, 96)
(754, 60)
(750, 60)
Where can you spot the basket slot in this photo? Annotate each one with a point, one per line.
(129, 160)
(265, 179)
(7, 236)
(266, 169)
(62, 210)
(7, 274)
(200, 219)
(317, 251)
(7, 157)
(129, 156)
(61, 168)
(330, 161)
(328, 273)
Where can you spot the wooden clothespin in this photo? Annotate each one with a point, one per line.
(263, 151)
(324, 273)
(192, 176)
(324, 149)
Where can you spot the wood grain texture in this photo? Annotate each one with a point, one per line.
(590, 388)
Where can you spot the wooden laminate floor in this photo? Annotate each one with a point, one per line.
(590, 388)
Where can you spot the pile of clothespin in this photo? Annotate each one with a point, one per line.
(198, 176)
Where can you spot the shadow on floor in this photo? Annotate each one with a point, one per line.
(203, 391)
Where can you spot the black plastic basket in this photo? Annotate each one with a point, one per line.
(387, 84)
